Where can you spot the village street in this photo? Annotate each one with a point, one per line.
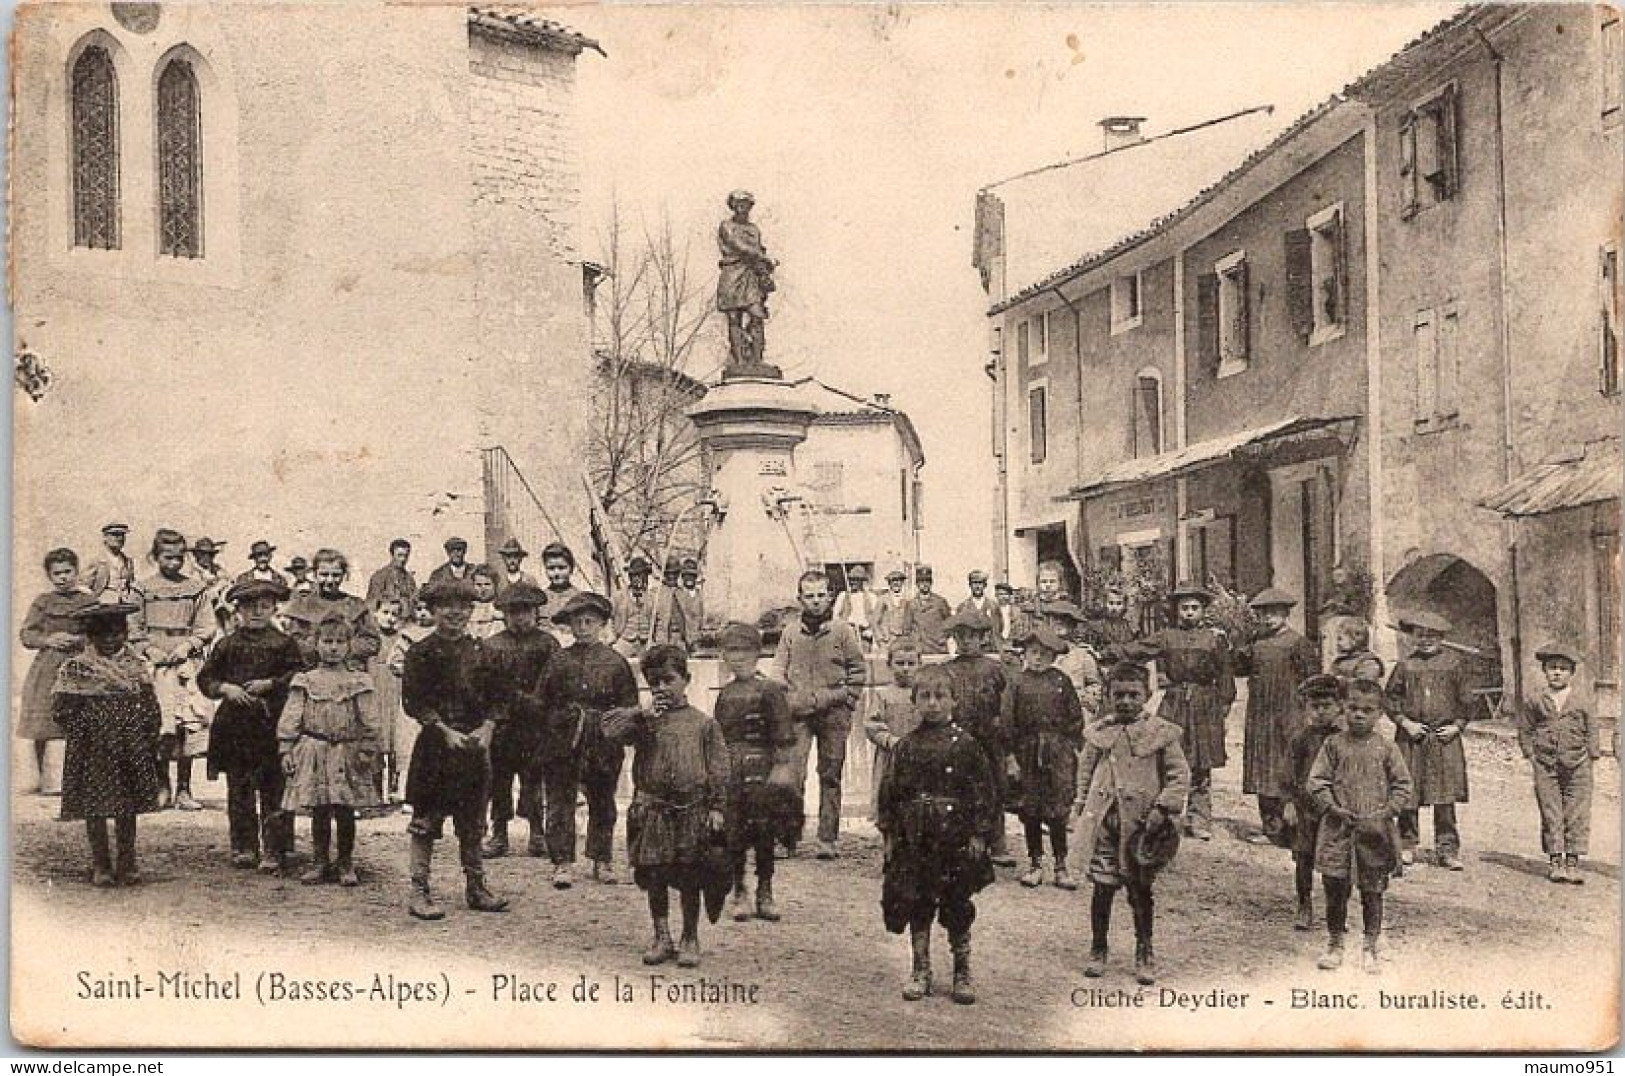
(828, 976)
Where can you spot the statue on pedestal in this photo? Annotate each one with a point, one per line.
(744, 282)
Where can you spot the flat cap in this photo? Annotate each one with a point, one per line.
(521, 594)
(1272, 598)
(584, 602)
(1426, 621)
(455, 543)
(251, 589)
(1044, 637)
(440, 591)
(1558, 652)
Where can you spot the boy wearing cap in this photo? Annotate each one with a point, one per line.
(450, 775)
(512, 572)
(1193, 662)
(1323, 696)
(631, 618)
(1275, 662)
(1430, 699)
(979, 687)
(582, 683)
(456, 566)
(888, 619)
(1042, 722)
(1132, 784)
(985, 604)
(259, 555)
(516, 659)
(1560, 739)
(1359, 783)
(925, 616)
(299, 581)
(762, 804)
(111, 576)
(821, 661)
(248, 673)
(394, 580)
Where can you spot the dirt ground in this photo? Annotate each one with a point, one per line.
(828, 976)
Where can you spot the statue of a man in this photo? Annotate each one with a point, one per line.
(744, 282)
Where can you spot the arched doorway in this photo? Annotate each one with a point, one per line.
(1445, 584)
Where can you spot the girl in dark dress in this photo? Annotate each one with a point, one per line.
(675, 826)
(50, 629)
(937, 816)
(105, 703)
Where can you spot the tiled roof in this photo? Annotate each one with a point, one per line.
(524, 24)
(1373, 81)
(1565, 483)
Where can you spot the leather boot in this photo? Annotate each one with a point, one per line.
(688, 951)
(481, 899)
(1332, 958)
(1306, 914)
(1145, 962)
(964, 992)
(1096, 967)
(101, 855)
(661, 949)
(497, 846)
(423, 905)
(1572, 871)
(127, 872)
(1369, 962)
(919, 982)
(320, 869)
(741, 903)
(764, 900)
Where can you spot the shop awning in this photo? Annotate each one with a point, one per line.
(1202, 454)
(1566, 483)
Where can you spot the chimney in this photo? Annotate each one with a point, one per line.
(1121, 131)
(883, 399)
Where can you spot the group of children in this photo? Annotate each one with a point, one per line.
(299, 728)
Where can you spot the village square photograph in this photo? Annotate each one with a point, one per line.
(800, 528)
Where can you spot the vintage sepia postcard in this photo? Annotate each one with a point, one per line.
(775, 527)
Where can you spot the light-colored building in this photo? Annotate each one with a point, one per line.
(292, 271)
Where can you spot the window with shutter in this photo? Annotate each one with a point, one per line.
(1300, 287)
(1613, 65)
(1612, 299)
(1207, 322)
(95, 150)
(1235, 318)
(1328, 305)
(1147, 411)
(1038, 422)
(1408, 200)
(1426, 344)
(1605, 554)
(1126, 302)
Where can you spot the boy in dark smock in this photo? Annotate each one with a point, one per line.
(979, 685)
(937, 818)
(450, 773)
(1275, 662)
(1323, 696)
(516, 659)
(763, 804)
(1430, 699)
(1198, 688)
(582, 682)
(248, 673)
(680, 776)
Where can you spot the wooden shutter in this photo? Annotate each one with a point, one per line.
(1407, 166)
(1449, 164)
(1207, 321)
(1244, 312)
(1340, 268)
(1300, 282)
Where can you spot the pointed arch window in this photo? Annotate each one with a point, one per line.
(180, 162)
(94, 96)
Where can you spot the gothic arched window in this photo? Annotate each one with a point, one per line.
(180, 162)
(94, 103)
